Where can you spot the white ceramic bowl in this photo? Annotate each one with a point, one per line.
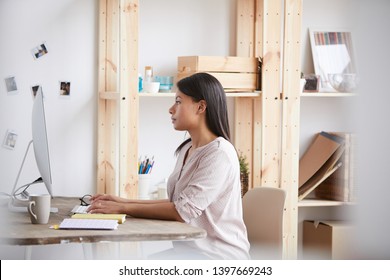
(151, 87)
(343, 82)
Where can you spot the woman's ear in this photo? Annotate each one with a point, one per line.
(202, 106)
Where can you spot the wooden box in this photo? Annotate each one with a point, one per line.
(234, 73)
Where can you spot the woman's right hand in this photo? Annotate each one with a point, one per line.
(107, 197)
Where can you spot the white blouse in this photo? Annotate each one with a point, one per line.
(206, 191)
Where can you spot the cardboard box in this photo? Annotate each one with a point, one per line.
(327, 240)
(233, 72)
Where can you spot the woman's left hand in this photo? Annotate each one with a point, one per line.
(106, 207)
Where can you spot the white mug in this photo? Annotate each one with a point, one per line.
(39, 208)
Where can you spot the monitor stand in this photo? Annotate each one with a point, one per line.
(21, 207)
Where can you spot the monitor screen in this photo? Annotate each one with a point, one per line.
(40, 143)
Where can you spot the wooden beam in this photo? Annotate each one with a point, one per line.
(101, 170)
(259, 18)
(271, 104)
(290, 123)
(129, 100)
(245, 28)
(257, 102)
(243, 131)
(107, 76)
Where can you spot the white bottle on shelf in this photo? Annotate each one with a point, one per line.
(148, 74)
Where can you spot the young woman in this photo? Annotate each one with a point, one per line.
(204, 188)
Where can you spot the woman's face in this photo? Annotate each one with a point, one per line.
(184, 113)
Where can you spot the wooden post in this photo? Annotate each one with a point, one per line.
(129, 100)
(271, 104)
(257, 102)
(118, 98)
(107, 109)
(243, 119)
(245, 27)
(290, 124)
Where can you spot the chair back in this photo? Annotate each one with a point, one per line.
(263, 209)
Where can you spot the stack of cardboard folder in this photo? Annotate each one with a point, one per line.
(327, 167)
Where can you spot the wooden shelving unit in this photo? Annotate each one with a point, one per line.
(270, 119)
(271, 123)
(228, 94)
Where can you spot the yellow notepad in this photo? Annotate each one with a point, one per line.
(121, 218)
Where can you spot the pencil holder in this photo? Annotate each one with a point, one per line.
(144, 186)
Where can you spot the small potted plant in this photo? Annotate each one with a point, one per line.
(244, 174)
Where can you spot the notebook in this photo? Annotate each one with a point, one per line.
(71, 223)
(121, 218)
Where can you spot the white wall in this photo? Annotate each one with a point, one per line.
(69, 30)
(372, 117)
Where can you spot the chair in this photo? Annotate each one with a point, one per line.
(263, 209)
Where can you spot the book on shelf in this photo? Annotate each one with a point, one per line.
(320, 160)
(120, 218)
(340, 185)
(352, 168)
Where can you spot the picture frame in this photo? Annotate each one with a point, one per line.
(333, 53)
(34, 90)
(64, 88)
(11, 85)
(10, 139)
(39, 51)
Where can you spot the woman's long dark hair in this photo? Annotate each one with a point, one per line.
(203, 86)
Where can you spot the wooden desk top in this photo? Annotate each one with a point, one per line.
(20, 230)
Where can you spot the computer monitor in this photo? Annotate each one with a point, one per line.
(40, 143)
(41, 152)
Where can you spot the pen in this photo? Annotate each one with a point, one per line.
(145, 166)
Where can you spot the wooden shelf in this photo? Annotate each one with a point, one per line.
(327, 94)
(320, 202)
(228, 94)
(159, 94)
(243, 94)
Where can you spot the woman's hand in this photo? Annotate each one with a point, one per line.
(107, 197)
(106, 206)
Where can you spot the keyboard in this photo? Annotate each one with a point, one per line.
(80, 209)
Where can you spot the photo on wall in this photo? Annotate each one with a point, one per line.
(39, 51)
(10, 140)
(64, 89)
(10, 84)
(34, 90)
